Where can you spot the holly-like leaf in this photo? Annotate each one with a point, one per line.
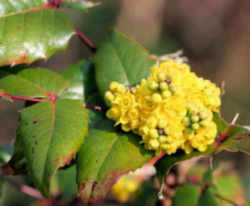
(208, 199)
(121, 59)
(105, 155)
(79, 4)
(188, 194)
(51, 133)
(30, 32)
(32, 83)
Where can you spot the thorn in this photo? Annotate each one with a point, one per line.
(211, 162)
(235, 118)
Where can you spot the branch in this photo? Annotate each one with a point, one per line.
(85, 40)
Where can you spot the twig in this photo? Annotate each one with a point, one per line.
(85, 40)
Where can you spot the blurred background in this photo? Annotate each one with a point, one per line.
(214, 35)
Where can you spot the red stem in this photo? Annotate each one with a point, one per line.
(97, 108)
(85, 40)
(156, 158)
(24, 189)
(5, 94)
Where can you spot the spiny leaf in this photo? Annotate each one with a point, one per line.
(32, 83)
(105, 155)
(32, 34)
(51, 134)
(120, 59)
(188, 194)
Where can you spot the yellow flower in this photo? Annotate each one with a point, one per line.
(172, 109)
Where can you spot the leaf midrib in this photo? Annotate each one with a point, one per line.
(38, 8)
(122, 64)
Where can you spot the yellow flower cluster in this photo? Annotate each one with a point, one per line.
(171, 110)
(126, 187)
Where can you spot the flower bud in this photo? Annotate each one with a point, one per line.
(153, 133)
(163, 139)
(153, 85)
(204, 123)
(162, 123)
(154, 144)
(195, 126)
(109, 96)
(163, 86)
(113, 113)
(195, 118)
(156, 98)
(166, 94)
(161, 76)
(186, 121)
(113, 86)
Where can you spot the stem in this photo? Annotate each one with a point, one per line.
(5, 94)
(156, 158)
(25, 189)
(85, 40)
(97, 108)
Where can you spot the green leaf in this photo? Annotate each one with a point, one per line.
(51, 133)
(207, 177)
(32, 83)
(229, 186)
(79, 5)
(67, 182)
(32, 34)
(208, 199)
(188, 194)
(81, 78)
(81, 81)
(121, 59)
(105, 155)
(14, 6)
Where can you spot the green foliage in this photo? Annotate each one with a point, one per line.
(57, 128)
(120, 59)
(33, 83)
(105, 155)
(32, 42)
(51, 135)
(208, 199)
(14, 6)
(187, 193)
